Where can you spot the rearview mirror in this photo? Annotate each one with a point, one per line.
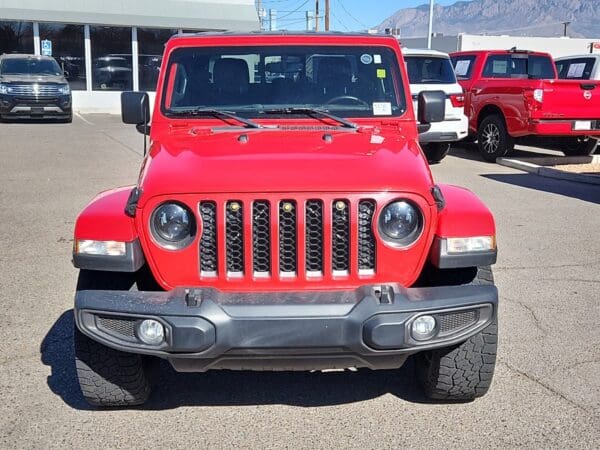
(431, 107)
(135, 109)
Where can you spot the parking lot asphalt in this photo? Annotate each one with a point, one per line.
(546, 391)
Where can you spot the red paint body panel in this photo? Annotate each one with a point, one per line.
(194, 160)
(563, 102)
(104, 218)
(464, 215)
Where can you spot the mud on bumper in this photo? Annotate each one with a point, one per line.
(209, 329)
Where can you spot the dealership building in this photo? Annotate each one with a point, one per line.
(107, 46)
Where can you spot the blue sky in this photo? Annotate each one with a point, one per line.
(347, 15)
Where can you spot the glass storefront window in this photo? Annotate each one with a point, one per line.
(111, 58)
(68, 49)
(151, 44)
(16, 37)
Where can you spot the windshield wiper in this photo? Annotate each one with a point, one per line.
(312, 112)
(214, 112)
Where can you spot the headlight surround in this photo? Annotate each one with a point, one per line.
(4, 89)
(400, 223)
(64, 89)
(173, 225)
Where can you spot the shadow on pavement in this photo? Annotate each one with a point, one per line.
(582, 191)
(232, 388)
(470, 151)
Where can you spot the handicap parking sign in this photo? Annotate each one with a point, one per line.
(46, 47)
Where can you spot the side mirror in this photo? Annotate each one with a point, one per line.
(135, 109)
(431, 108)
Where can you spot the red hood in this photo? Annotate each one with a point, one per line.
(284, 161)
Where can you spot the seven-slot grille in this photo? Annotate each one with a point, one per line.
(286, 237)
(35, 90)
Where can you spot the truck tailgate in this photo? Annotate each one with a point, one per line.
(570, 99)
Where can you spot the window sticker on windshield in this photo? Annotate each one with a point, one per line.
(576, 70)
(377, 59)
(366, 59)
(462, 67)
(382, 109)
(381, 73)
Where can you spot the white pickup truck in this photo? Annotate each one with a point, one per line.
(430, 70)
(579, 67)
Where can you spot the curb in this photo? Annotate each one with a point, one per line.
(538, 166)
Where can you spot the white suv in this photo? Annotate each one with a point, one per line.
(430, 70)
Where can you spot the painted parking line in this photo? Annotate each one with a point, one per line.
(84, 119)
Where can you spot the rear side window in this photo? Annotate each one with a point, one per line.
(575, 69)
(534, 67)
(463, 66)
(540, 68)
(497, 66)
(429, 70)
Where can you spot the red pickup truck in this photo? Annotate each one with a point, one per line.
(515, 96)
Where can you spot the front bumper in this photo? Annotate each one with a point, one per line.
(209, 329)
(35, 107)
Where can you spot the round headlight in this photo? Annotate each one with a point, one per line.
(173, 225)
(400, 223)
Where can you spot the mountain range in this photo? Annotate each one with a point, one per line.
(514, 17)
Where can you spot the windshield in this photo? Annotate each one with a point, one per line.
(430, 70)
(111, 62)
(351, 81)
(32, 66)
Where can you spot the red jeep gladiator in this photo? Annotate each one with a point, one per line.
(284, 218)
(515, 96)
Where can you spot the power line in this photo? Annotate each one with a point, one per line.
(340, 3)
(339, 21)
(294, 11)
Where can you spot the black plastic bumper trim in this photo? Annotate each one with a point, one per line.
(278, 325)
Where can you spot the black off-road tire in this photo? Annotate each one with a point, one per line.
(435, 151)
(493, 139)
(109, 377)
(578, 146)
(462, 372)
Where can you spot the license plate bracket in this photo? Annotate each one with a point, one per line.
(582, 125)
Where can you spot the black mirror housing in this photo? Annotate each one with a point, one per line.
(431, 107)
(135, 108)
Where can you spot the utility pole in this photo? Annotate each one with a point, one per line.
(326, 15)
(316, 15)
(259, 10)
(566, 25)
(272, 19)
(429, 35)
(309, 21)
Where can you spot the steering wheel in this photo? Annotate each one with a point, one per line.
(347, 97)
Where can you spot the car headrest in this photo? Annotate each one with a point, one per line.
(335, 70)
(231, 74)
